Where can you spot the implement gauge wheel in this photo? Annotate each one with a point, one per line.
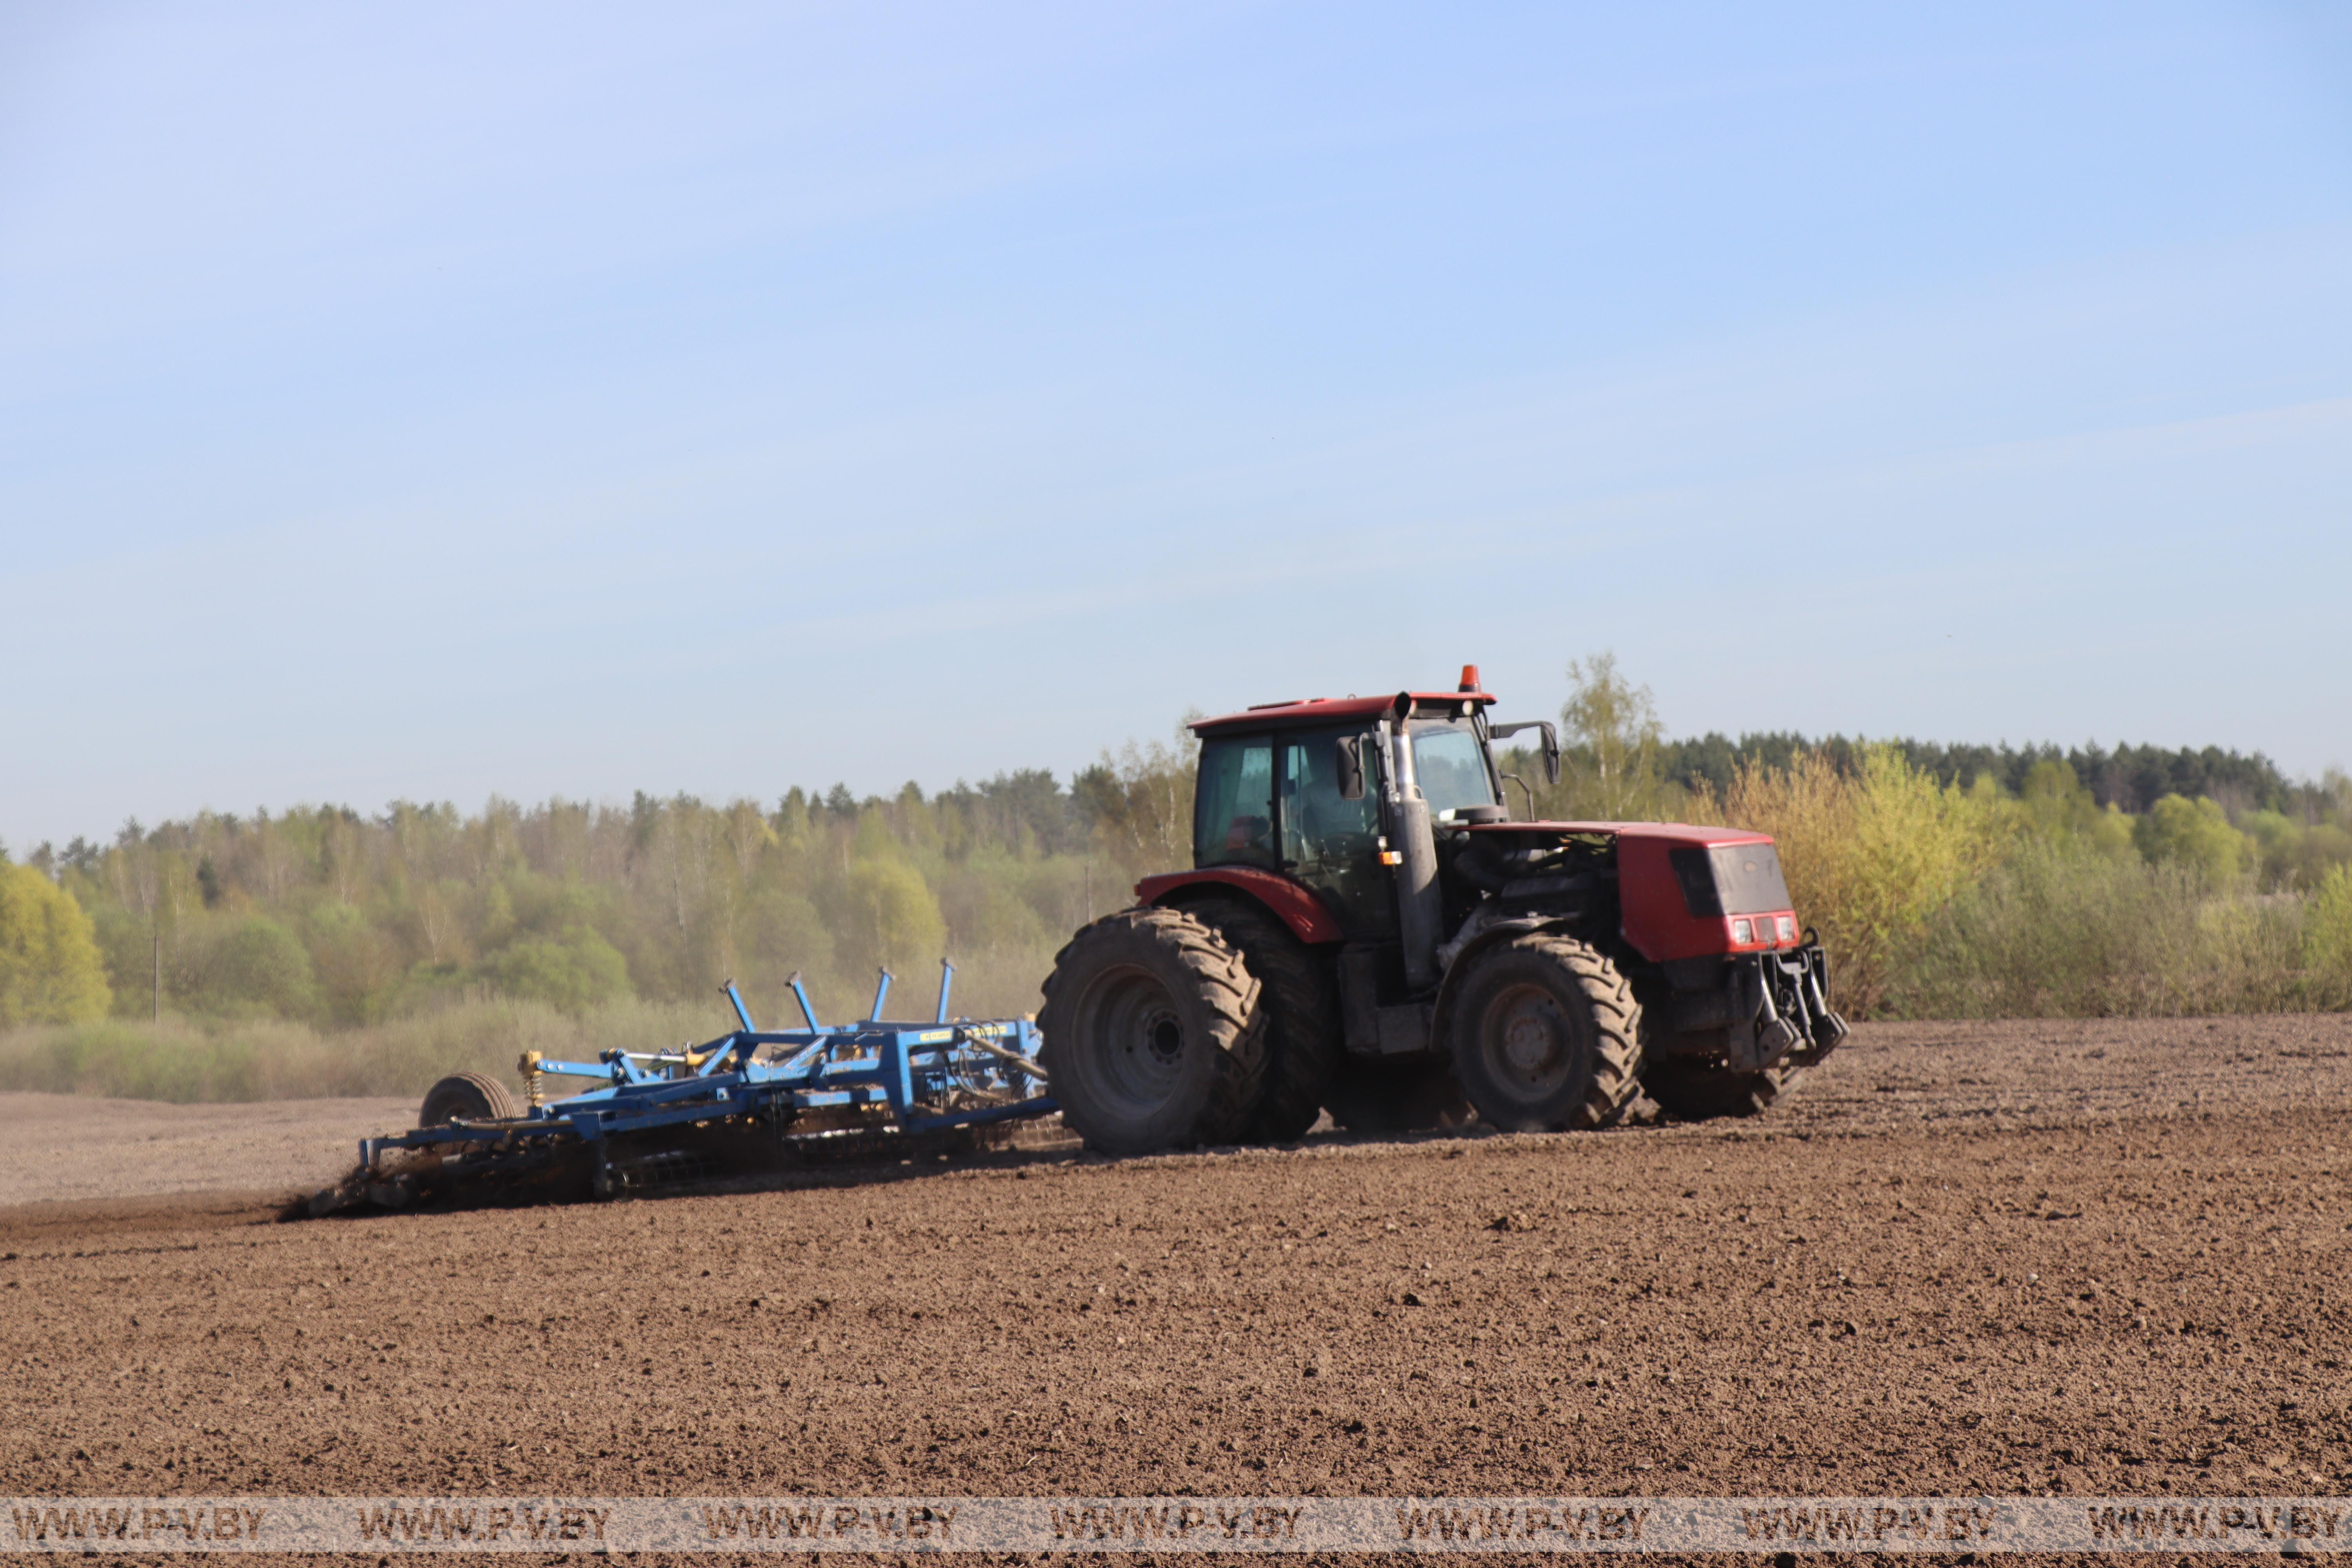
(1153, 1036)
(1547, 1037)
(466, 1096)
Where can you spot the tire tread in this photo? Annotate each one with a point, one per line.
(1616, 1015)
(497, 1100)
(1223, 980)
(1302, 1047)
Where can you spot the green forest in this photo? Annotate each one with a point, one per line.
(323, 950)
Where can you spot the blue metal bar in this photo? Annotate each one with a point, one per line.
(800, 991)
(898, 1076)
(881, 994)
(722, 1056)
(741, 1011)
(947, 980)
(1043, 1106)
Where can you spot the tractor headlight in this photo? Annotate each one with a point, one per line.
(1785, 927)
(1743, 930)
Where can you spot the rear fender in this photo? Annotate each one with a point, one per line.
(1293, 903)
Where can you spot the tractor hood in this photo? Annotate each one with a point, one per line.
(1685, 891)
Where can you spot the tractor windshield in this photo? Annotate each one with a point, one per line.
(1452, 769)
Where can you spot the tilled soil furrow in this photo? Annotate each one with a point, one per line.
(2148, 1299)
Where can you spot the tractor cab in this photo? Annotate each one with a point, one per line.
(1299, 790)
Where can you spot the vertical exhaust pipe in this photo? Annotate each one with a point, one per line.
(1420, 909)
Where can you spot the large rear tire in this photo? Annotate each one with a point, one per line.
(1546, 1036)
(1153, 1036)
(467, 1097)
(1302, 1017)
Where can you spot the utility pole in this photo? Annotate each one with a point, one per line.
(155, 936)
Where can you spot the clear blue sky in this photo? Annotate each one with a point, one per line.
(432, 400)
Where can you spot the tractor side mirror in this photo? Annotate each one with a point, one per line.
(1550, 743)
(1350, 768)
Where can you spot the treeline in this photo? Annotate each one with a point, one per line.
(2231, 814)
(337, 918)
(1952, 881)
(2129, 778)
(1947, 880)
(2237, 819)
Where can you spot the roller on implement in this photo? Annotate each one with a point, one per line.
(729, 1105)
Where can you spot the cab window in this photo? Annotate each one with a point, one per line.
(1330, 843)
(1452, 767)
(1233, 811)
(1319, 828)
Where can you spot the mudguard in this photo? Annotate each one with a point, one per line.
(1294, 902)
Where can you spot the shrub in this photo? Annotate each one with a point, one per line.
(2062, 934)
(2193, 833)
(2055, 807)
(572, 973)
(883, 913)
(359, 963)
(785, 932)
(50, 971)
(2327, 928)
(260, 969)
(1870, 856)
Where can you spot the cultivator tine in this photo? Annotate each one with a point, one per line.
(799, 994)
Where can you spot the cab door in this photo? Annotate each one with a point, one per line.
(1328, 842)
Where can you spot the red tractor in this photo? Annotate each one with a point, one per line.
(1366, 929)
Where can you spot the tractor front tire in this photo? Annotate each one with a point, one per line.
(1302, 1017)
(1547, 1037)
(1153, 1036)
(466, 1096)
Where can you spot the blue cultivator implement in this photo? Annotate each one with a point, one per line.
(727, 1107)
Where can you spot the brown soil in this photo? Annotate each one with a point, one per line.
(64, 1146)
(2020, 1257)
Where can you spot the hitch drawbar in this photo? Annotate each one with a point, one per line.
(871, 1076)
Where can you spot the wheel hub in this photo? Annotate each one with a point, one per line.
(1140, 1060)
(1164, 1037)
(1528, 1045)
(1528, 1038)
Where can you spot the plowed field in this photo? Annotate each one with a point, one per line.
(2020, 1257)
